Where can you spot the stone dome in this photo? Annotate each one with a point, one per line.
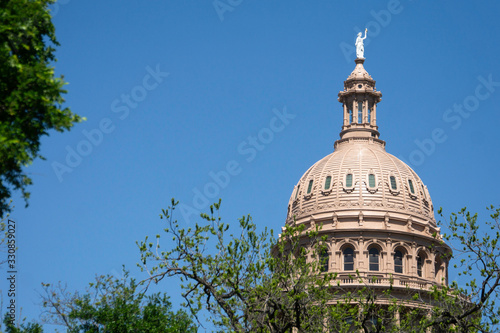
(375, 212)
(361, 176)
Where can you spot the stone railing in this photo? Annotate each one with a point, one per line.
(370, 279)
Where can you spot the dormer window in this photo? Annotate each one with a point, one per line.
(394, 185)
(410, 185)
(297, 192)
(309, 187)
(328, 182)
(348, 180)
(371, 180)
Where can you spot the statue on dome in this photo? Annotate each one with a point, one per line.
(360, 48)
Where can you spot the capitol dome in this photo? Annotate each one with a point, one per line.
(361, 175)
(375, 212)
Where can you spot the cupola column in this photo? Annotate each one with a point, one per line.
(374, 115)
(345, 116)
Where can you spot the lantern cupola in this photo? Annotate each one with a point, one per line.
(359, 99)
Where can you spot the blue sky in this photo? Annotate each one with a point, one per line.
(174, 92)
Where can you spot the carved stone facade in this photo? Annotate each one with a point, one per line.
(374, 209)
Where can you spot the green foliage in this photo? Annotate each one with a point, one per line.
(113, 305)
(3, 238)
(23, 328)
(479, 266)
(248, 282)
(30, 94)
(252, 282)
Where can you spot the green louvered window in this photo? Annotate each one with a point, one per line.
(394, 185)
(410, 184)
(371, 180)
(310, 186)
(348, 180)
(328, 182)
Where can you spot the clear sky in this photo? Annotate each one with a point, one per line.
(175, 92)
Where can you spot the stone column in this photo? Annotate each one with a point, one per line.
(346, 115)
(413, 265)
(355, 111)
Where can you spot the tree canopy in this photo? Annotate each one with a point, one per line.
(30, 93)
(252, 282)
(113, 305)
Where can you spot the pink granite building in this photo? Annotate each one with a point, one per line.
(374, 209)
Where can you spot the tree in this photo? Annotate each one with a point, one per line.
(252, 282)
(113, 305)
(23, 328)
(30, 94)
(479, 253)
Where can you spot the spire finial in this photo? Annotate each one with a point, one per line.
(360, 48)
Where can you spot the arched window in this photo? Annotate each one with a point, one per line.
(328, 182)
(324, 260)
(348, 180)
(349, 113)
(369, 114)
(398, 261)
(394, 185)
(360, 112)
(297, 192)
(374, 255)
(410, 184)
(348, 259)
(310, 186)
(420, 265)
(371, 180)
